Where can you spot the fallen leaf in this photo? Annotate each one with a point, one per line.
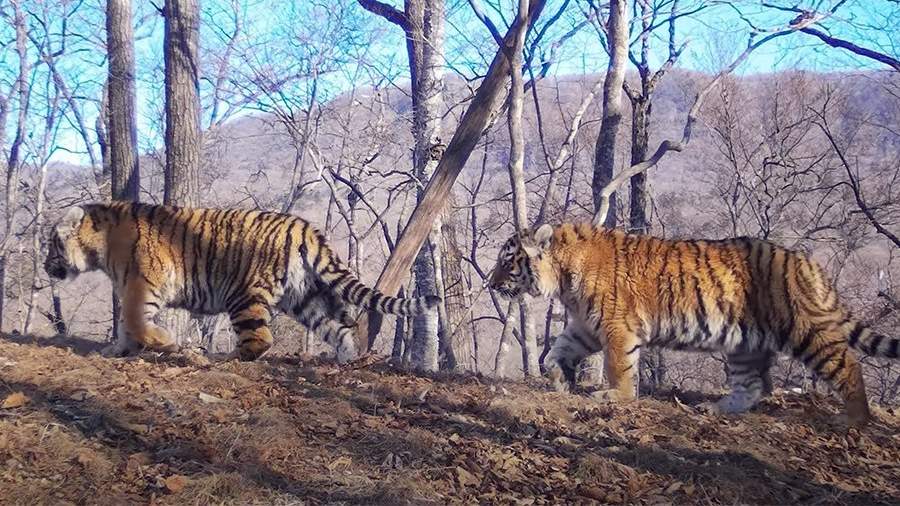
(85, 457)
(15, 400)
(176, 483)
(340, 462)
(82, 395)
(220, 415)
(465, 478)
(209, 399)
(138, 428)
(671, 489)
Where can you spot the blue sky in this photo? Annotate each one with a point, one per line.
(713, 38)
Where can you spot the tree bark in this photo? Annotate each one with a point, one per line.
(423, 23)
(425, 43)
(120, 107)
(182, 137)
(434, 199)
(456, 297)
(605, 148)
(22, 92)
(516, 169)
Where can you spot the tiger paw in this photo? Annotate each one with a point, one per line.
(116, 350)
(608, 395)
(346, 351)
(710, 408)
(558, 380)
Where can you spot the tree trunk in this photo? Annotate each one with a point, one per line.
(425, 47)
(434, 199)
(640, 146)
(182, 66)
(652, 365)
(509, 324)
(182, 136)
(118, 140)
(120, 107)
(456, 297)
(516, 169)
(22, 92)
(605, 148)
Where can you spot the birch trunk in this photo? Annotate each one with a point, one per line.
(22, 92)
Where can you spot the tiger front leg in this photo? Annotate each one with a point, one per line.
(139, 306)
(622, 354)
(562, 361)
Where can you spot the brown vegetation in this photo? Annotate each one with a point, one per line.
(179, 430)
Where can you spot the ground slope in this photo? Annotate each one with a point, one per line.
(172, 430)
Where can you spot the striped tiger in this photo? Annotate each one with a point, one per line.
(210, 261)
(746, 297)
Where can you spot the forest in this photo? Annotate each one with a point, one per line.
(418, 135)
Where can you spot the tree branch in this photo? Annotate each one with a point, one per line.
(670, 145)
(387, 12)
(853, 48)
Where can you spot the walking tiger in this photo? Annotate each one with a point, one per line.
(746, 297)
(244, 263)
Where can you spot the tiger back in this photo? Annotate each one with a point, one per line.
(240, 262)
(746, 297)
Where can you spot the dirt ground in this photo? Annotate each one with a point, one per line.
(299, 430)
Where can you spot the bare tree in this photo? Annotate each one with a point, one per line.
(120, 105)
(423, 24)
(182, 135)
(605, 148)
(182, 64)
(470, 129)
(21, 91)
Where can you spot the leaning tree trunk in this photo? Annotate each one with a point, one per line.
(182, 136)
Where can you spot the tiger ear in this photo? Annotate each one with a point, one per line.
(70, 222)
(543, 235)
(539, 241)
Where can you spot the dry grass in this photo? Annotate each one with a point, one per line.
(301, 431)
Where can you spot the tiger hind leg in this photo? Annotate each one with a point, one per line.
(327, 317)
(561, 362)
(749, 380)
(825, 351)
(251, 325)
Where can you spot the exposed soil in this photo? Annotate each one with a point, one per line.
(179, 430)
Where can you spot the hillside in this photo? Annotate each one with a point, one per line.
(178, 430)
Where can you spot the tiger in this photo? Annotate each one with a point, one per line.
(246, 263)
(748, 298)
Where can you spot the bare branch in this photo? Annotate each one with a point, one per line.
(670, 145)
(853, 48)
(386, 11)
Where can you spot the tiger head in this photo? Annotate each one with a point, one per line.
(519, 263)
(74, 245)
